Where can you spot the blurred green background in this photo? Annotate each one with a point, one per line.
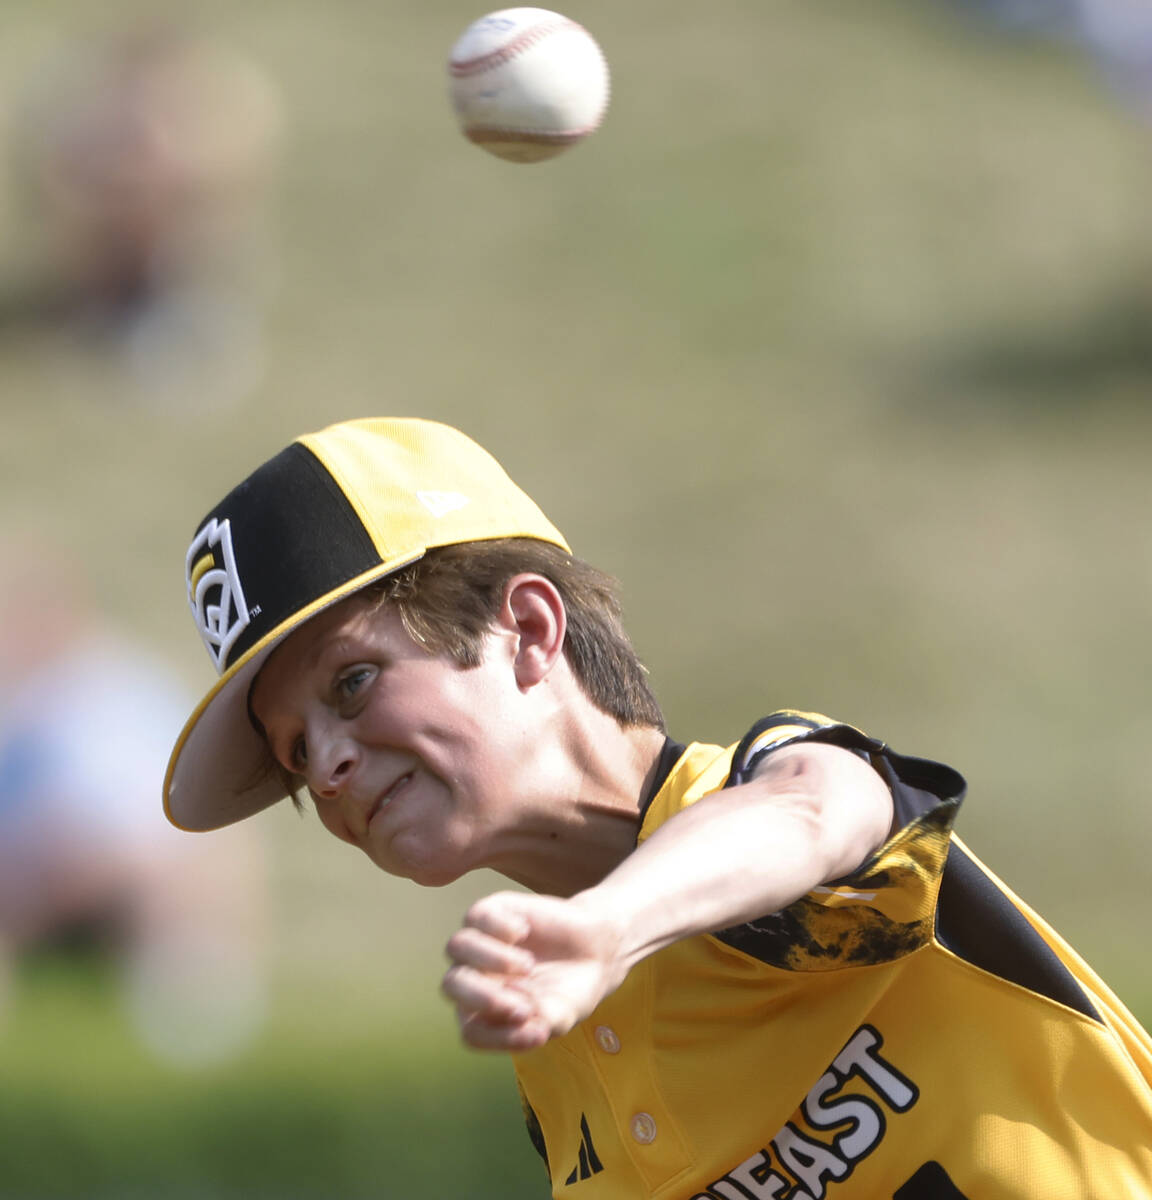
(833, 345)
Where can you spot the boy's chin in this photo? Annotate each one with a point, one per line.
(426, 874)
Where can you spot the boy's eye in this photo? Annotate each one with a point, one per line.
(350, 683)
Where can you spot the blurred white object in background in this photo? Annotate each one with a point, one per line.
(86, 721)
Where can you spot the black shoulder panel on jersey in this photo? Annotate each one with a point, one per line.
(980, 924)
(926, 798)
(917, 784)
(742, 765)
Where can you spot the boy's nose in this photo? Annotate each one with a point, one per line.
(331, 766)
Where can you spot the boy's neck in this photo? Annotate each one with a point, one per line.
(584, 834)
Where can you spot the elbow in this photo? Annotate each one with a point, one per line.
(838, 807)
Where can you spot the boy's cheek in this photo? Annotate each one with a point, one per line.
(331, 819)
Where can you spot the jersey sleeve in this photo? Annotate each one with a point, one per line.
(882, 910)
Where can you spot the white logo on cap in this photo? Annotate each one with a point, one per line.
(440, 504)
(214, 591)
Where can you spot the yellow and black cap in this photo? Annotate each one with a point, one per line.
(326, 516)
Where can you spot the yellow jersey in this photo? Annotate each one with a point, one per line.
(912, 1031)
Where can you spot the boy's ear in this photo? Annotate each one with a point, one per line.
(534, 611)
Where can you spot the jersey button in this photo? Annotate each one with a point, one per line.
(644, 1128)
(607, 1040)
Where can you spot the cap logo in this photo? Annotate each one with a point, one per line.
(440, 504)
(214, 591)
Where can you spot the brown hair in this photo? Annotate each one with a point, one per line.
(449, 599)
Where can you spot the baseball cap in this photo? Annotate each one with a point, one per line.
(326, 516)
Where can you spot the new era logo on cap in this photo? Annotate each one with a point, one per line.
(440, 504)
(214, 590)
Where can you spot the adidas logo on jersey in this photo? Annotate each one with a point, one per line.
(588, 1163)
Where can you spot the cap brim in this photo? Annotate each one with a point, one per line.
(220, 770)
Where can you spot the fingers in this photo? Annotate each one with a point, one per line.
(493, 1014)
(520, 972)
(487, 963)
(474, 948)
(476, 993)
(482, 1035)
(482, 981)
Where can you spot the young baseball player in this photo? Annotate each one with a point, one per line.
(766, 970)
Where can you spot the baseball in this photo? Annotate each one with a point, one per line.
(527, 83)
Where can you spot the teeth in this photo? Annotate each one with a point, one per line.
(395, 788)
(383, 802)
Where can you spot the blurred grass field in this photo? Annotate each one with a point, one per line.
(833, 344)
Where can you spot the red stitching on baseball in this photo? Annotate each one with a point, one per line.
(517, 46)
(481, 134)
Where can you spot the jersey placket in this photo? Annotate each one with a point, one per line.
(623, 1059)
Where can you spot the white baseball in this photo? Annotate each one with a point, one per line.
(527, 83)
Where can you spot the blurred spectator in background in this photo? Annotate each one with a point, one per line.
(1119, 34)
(1049, 16)
(86, 857)
(146, 161)
(1116, 33)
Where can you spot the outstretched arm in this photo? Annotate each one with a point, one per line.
(527, 968)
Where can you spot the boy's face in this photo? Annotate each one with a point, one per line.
(406, 754)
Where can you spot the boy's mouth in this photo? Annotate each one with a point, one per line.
(387, 796)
